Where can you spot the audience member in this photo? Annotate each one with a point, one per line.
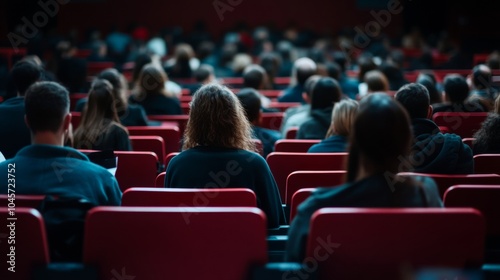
(254, 76)
(14, 134)
(202, 76)
(483, 91)
(48, 168)
(430, 85)
(348, 85)
(143, 59)
(218, 145)
(394, 75)
(303, 68)
(366, 64)
(326, 92)
(456, 92)
(380, 139)
(338, 134)
(488, 136)
(432, 151)
(150, 93)
(251, 102)
(71, 70)
(100, 128)
(183, 63)
(376, 81)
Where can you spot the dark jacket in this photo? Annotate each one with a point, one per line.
(268, 138)
(292, 94)
(435, 152)
(157, 104)
(317, 126)
(211, 167)
(374, 191)
(114, 138)
(332, 144)
(14, 134)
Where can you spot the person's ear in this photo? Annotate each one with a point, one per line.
(429, 112)
(66, 121)
(305, 97)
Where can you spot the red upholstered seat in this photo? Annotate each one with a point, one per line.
(294, 145)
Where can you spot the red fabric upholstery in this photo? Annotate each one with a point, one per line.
(170, 134)
(153, 144)
(294, 145)
(312, 179)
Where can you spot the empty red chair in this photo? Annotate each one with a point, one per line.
(160, 180)
(76, 118)
(175, 242)
(180, 120)
(136, 169)
(148, 143)
(29, 235)
(312, 179)
(445, 181)
(186, 197)
(469, 142)
(170, 134)
(271, 120)
(22, 200)
(94, 68)
(282, 164)
(487, 163)
(292, 133)
(298, 197)
(294, 145)
(481, 197)
(360, 243)
(463, 124)
(168, 158)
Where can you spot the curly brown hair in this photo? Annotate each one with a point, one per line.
(217, 119)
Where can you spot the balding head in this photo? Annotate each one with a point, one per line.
(481, 76)
(305, 68)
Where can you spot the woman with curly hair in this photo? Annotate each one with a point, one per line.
(218, 152)
(488, 136)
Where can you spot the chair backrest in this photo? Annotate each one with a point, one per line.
(444, 181)
(291, 133)
(136, 169)
(175, 242)
(271, 120)
(487, 163)
(482, 197)
(175, 197)
(145, 143)
(31, 247)
(297, 198)
(294, 145)
(94, 68)
(76, 118)
(469, 142)
(168, 158)
(170, 134)
(463, 124)
(361, 243)
(22, 200)
(160, 180)
(282, 164)
(181, 120)
(312, 179)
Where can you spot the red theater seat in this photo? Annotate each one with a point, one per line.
(168, 158)
(271, 120)
(297, 198)
(185, 197)
(180, 120)
(487, 163)
(136, 169)
(160, 180)
(312, 179)
(463, 124)
(145, 143)
(360, 243)
(31, 249)
(469, 142)
(294, 145)
(175, 242)
(292, 133)
(170, 134)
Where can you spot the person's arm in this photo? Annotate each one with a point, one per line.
(431, 192)
(143, 118)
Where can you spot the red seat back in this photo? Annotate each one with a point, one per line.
(168, 158)
(282, 164)
(469, 142)
(153, 144)
(292, 133)
(30, 239)
(297, 198)
(445, 181)
(294, 145)
(463, 124)
(482, 197)
(183, 197)
(76, 118)
(312, 179)
(271, 120)
(94, 68)
(181, 120)
(170, 134)
(487, 163)
(360, 243)
(160, 180)
(177, 242)
(136, 169)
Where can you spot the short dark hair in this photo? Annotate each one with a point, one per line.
(250, 100)
(253, 76)
(415, 99)
(456, 88)
(303, 73)
(24, 74)
(203, 72)
(334, 70)
(481, 76)
(46, 104)
(325, 93)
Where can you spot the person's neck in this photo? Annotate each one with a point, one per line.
(48, 138)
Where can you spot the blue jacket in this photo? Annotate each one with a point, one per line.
(332, 144)
(61, 171)
(14, 134)
(292, 94)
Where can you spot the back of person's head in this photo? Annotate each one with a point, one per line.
(341, 59)
(250, 100)
(309, 85)
(428, 83)
(415, 99)
(343, 115)
(204, 73)
(366, 64)
(141, 60)
(376, 81)
(325, 93)
(304, 68)
(217, 119)
(254, 76)
(152, 80)
(493, 60)
(241, 61)
(396, 58)
(394, 75)
(381, 136)
(24, 74)
(271, 64)
(481, 76)
(46, 105)
(118, 83)
(183, 52)
(333, 70)
(456, 88)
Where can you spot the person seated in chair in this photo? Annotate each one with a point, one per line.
(456, 92)
(303, 68)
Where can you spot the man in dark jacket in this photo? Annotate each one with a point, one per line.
(432, 151)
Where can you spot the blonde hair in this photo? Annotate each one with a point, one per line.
(342, 117)
(217, 119)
